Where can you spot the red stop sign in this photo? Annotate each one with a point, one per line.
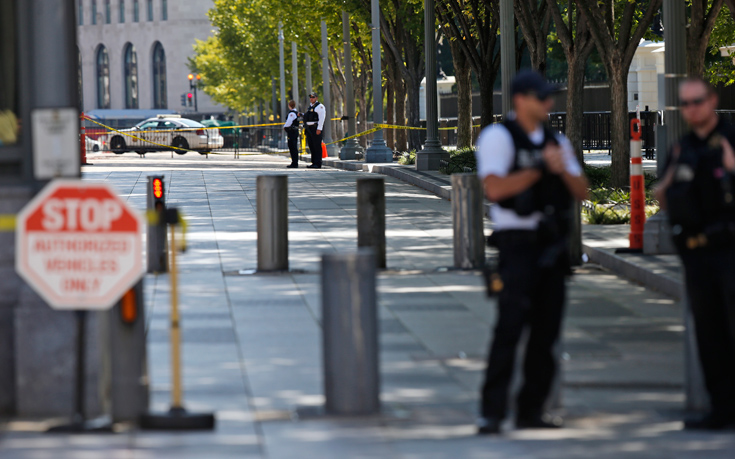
(79, 245)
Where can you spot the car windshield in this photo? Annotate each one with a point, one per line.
(190, 123)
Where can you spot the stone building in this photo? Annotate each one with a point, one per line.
(134, 53)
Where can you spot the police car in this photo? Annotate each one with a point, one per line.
(163, 133)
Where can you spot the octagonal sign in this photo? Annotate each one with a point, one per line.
(79, 245)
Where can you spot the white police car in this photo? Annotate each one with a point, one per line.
(164, 133)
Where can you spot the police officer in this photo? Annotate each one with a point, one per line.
(531, 174)
(314, 118)
(291, 126)
(697, 189)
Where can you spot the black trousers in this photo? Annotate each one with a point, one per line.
(314, 141)
(293, 146)
(710, 282)
(532, 298)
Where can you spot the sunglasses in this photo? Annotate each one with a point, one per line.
(540, 98)
(695, 102)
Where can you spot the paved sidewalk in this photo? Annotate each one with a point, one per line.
(252, 343)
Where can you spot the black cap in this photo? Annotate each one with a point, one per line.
(312, 94)
(531, 82)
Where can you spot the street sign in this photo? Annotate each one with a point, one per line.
(79, 245)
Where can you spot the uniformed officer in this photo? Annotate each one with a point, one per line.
(698, 191)
(531, 174)
(314, 119)
(291, 126)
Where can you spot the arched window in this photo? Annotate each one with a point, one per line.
(131, 76)
(103, 78)
(159, 76)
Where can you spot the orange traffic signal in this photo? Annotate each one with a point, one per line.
(129, 307)
(157, 188)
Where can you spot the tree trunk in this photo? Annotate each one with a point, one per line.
(575, 102)
(390, 103)
(413, 89)
(463, 74)
(401, 138)
(619, 126)
(487, 82)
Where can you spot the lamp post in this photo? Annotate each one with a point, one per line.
(507, 51)
(295, 74)
(352, 146)
(193, 85)
(327, 96)
(428, 158)
(378, 151)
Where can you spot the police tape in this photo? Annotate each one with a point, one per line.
(7, 223)
(369, 131)
(394, 126)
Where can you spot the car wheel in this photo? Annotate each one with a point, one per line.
(95, 148)
(117, 145)
(181, 145)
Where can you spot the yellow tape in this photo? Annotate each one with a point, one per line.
(369, 131)
(7, 223)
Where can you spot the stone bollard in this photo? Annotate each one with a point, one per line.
(350, 333)
(272, 215)
(371, 216)
(467, 217)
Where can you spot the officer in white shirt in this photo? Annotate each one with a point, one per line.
(314, 119)
(532, 175)
(291, 126)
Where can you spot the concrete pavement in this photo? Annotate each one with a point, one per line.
(252, 342)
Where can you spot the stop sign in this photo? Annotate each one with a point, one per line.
(79, 245)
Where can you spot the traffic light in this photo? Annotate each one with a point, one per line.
(183, 100)
(190, 96)
(157, 191)
(129, 307)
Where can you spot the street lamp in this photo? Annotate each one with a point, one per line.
(193, 87)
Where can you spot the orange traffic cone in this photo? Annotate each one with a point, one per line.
(324, 150)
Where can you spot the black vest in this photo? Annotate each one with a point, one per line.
(549, 195)
(701, 194)
(310, 114)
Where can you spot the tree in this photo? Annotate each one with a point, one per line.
(573, 32)
(721, 69)
(700, 27)
(534, 20)
(463, 75)
(618, 28)
(474, 24)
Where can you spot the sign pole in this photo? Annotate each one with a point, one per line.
(176, 396)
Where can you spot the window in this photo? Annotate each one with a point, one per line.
(131, 77)
(103, 78)
(9, 128)
(150, 10)
(108, 12)
(122, 11)
(94, 12)
(159, 76)
(80, 12)
(136, 11)
(164, 10)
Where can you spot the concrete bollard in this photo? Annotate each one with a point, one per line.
(272, 214)
(371, 216)
(467, 217)
(350, 333)
(157, 245)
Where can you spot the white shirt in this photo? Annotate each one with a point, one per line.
(290, 119)
(322, 112)
(495, 156)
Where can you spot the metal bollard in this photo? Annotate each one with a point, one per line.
(350, 333)
(467, 217)
(272, 214)
(156, 240)
(371, 216)
(129, 390)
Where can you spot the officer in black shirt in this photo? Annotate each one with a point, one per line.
(697, 190)
(314, 119)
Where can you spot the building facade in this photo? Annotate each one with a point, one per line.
(134, 53)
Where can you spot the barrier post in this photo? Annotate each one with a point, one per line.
(467, 219)
(371, 217)
(272, 222)
(637, 193)
(350, 333)
(156, 240)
